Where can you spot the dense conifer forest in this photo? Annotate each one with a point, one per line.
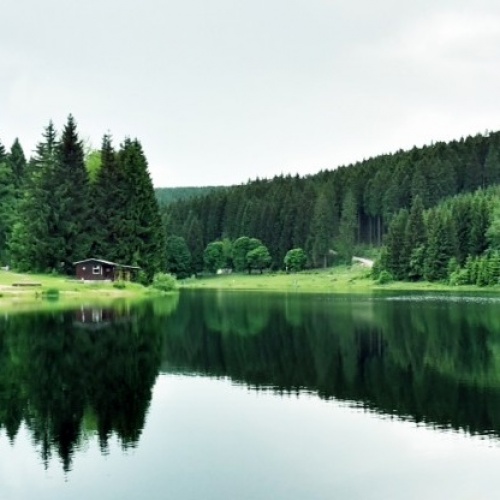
(431, 213)
(62, 206)
(167, 195)
(430, 209)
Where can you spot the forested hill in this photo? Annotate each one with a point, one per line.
(165, 196)
(335, 209)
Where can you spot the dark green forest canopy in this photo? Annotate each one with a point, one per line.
(65, 204)
(166, 195)
(310, 212)
(53, 212)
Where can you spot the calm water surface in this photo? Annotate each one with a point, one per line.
(253, 396)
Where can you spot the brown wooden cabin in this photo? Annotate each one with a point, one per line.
(103, 270)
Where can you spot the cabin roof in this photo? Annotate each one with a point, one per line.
(107, 262)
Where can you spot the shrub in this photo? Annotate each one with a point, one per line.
(384, 277)
(164, 282)
(120, 284)
(295, 259)
(459, 277)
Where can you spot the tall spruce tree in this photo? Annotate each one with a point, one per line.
(143, 238)
(17, 162)
(194, 238)
(480, 222)
(29, 243)
(348, 227)
(8, 198)
(109, 198)
(415, 239)
(321, 230)
(441, 245)
(70, 207)
(395, 257)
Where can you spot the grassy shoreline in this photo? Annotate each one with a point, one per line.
(70, 292)
(24, 291)
(341, 279)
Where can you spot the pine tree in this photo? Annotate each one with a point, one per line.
(480, 222)
(29, 243)
(3, 153)
(70, 239)
(462, 215)
(143, 237)
(8, 198)
(415, 238)
(17, 162)
(441, 245)
(348, 227)
(194, 238)
(178, 257)
(109, 198)
(492, 164)
(322, 228)
(394, 260)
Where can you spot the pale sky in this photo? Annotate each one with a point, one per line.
(223, 91)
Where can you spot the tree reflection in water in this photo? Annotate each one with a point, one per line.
(71, 375)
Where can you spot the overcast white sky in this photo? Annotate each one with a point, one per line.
(222, 91)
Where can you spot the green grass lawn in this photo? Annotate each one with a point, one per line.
(338, 279)
(33, 287)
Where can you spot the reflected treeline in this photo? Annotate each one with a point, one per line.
(435, 361)
(68, 375)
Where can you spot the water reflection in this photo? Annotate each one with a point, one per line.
(69, 375)
(72, 375)
(435, 361)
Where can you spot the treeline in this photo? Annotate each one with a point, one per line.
(165, 195)
(327, 214)
(458, 241)
(55, 211)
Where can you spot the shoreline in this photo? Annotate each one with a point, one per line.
(340, 279)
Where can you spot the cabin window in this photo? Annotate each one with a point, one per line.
(96, 270)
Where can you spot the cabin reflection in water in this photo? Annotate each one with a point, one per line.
(98, 317)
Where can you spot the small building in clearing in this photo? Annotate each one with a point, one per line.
(103, 270)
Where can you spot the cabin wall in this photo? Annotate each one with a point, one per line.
(95, 271)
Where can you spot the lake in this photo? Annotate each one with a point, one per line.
(219, 395)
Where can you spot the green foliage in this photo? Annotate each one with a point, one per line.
(241, 247)
(384, 277)
(213, 256)
(322, 230)
(178, 257)
(164, 282)
(395, 261)
(93, 163)
(143, 278)
(51, 230)
(166, 196)
(348, 227)
(139, 225)
(258, 258)
(120, 284)
(441, 246)
(379, 264)
(295, 260)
